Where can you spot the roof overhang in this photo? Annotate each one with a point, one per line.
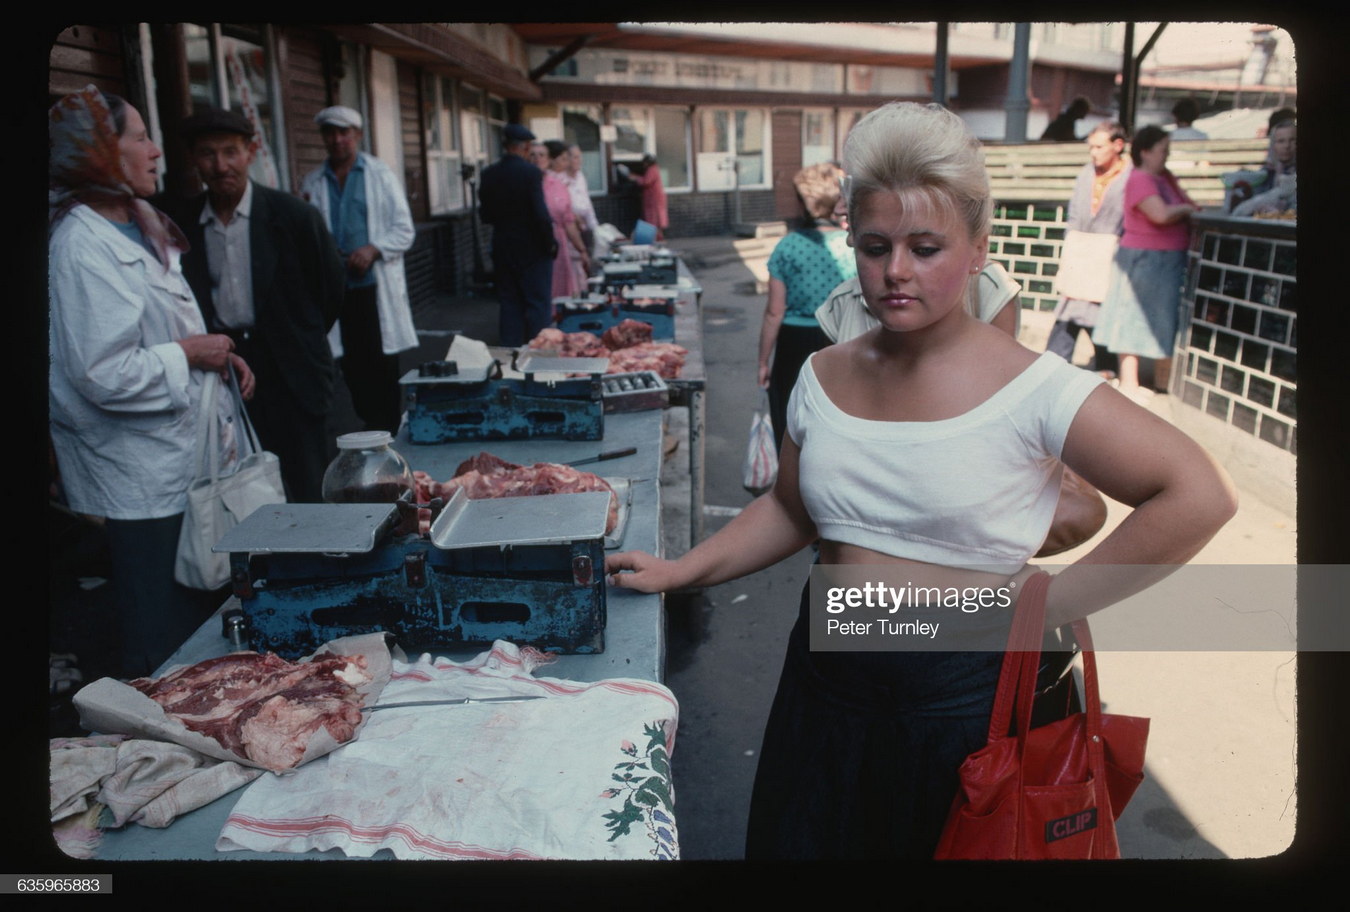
(443, 51)
(861, 43)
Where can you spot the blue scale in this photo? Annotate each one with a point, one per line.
(597, 313)
(446, 404)
(529, 570)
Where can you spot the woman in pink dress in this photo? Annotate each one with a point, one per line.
(568, 282)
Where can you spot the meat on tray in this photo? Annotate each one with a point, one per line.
(627, 344)
(629, 332)
(666, 358)
(486, 476)
(569, 345)
(261, 707)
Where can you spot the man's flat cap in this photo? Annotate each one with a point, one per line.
(514, 133)
(206, 119)
(338, 116)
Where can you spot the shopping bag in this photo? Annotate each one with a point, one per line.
(1080, 513)
(761, 459)
(217, 503)
(1085, 264)
(1048, 792)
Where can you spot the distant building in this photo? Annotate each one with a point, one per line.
(766, 98)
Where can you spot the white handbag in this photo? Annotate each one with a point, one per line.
(1085, 265)
(216, 503)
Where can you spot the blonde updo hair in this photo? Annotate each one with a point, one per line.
(925, 154)
(818, 188)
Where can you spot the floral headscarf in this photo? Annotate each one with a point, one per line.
(85, 160)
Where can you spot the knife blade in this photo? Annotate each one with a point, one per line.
(612, 454)
(459, 702)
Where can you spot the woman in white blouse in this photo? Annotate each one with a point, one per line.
(129, 352)
(929, 447)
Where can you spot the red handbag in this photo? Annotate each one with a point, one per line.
(1048, 792)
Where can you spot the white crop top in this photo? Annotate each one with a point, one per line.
(975, 491)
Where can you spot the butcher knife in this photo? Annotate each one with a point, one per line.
(612, 454)
(460, 702)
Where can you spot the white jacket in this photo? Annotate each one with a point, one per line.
(123, 400)
(845, 315)
(389, 226)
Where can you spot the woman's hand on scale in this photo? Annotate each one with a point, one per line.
(645, 572)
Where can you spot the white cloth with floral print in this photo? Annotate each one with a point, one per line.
(581, 774)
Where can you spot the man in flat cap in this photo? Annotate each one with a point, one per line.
(266, 272)
(511, 198)
(365, 208)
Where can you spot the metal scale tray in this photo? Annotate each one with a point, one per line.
(526, 569)
(595, 314)
(445, 405)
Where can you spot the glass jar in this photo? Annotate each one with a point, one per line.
(367, 470)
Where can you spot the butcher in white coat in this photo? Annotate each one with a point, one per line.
(368, 215)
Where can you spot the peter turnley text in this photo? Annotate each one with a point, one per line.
(884, 628)
(878, 595)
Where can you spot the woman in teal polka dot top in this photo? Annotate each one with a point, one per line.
(804, 268)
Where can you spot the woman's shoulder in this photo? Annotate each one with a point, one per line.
(84, 235)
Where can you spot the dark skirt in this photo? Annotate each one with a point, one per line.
(861, 751)
(794, 345)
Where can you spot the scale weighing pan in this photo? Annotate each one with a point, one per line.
(352, 528)
(539, 361)
(544, 519)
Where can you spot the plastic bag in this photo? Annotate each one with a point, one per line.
(761, 459)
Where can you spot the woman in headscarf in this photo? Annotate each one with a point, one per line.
(128, 356)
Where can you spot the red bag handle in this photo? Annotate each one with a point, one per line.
(1021, 664)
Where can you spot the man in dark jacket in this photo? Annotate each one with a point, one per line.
(1064, 128)
(266, 271)
(511, 198)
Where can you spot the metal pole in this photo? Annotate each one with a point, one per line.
(940, 66)
(1017, 104)
(736, 179)
(1127, 81)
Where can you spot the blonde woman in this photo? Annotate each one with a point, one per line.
(929, 445)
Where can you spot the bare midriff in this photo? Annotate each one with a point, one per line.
(833, 552)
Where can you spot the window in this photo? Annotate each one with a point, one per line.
(817, 136)
(847, 118)
(663, 132)
(445, 186)
(672, 147)
(728, 135)
(229, 67)
(476, 143)
(581, 127)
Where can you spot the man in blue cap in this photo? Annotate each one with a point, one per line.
(511, 197)
(364, 206)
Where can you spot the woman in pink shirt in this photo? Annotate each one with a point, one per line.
(568, 282)
(1139, 316)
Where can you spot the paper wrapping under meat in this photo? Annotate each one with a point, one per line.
(108, 706)
(583, 774)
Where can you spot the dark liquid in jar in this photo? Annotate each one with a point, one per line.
(380, 492)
